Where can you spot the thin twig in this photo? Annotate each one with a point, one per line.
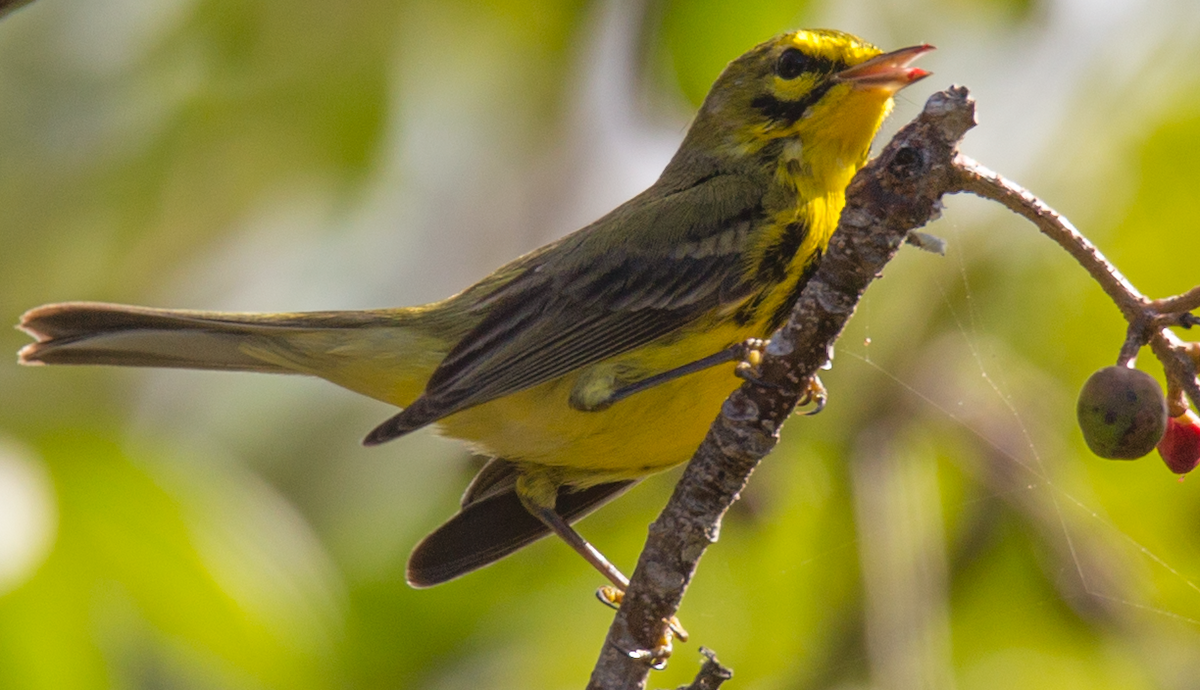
(1178, 366)
(1148, 319)
(1188, 301)
(7, 6)
(983, 182)
(711, 675)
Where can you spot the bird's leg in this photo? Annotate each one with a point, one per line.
(576, 541)
(611, 595)
(538, 494)
(748, 355)
(743, 352)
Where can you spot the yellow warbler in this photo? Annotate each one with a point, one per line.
(585, 365)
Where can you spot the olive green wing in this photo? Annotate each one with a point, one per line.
(640, 273)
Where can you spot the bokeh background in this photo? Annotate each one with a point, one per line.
(940, 525)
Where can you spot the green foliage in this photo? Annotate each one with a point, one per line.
(1164, 204)
(127, 595)
(701, 37)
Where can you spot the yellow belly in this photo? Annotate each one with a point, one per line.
(645, 433)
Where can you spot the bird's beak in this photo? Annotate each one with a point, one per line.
(889, 72)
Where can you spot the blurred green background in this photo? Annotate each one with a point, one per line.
(940, 525)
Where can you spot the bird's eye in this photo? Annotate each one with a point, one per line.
(792, 63)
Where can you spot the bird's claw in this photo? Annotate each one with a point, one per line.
(610, 596)
(657, 656)
(815, 393)
(750, 354)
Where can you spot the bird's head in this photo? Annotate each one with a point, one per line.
(820, 92)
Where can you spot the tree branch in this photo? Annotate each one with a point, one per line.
(895, 193)
(712, 674)
(1148, 319)
(983, 182)
(7, 6)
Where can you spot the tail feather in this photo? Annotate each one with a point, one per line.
(98, 333)
(148, 348)
(386, 354)
(70, 319)
(492, 527)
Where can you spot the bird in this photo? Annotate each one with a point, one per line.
(598, 359)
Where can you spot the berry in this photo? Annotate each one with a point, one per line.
(1122, 413)
(1180, 445)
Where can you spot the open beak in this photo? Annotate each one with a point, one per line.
(888, 72)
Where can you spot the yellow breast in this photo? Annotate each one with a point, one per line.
(645, 433)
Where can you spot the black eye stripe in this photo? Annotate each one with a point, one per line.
(787, 112)
(793, 62)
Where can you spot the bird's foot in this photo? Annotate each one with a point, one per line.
(816, 394)
(750, 354)
(657, 656)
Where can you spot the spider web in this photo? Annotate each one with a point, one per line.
(1032, 460)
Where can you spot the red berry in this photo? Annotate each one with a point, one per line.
(1180, 445)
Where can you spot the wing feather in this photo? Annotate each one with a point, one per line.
(641, 273)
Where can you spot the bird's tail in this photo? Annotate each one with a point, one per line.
(386, 354)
